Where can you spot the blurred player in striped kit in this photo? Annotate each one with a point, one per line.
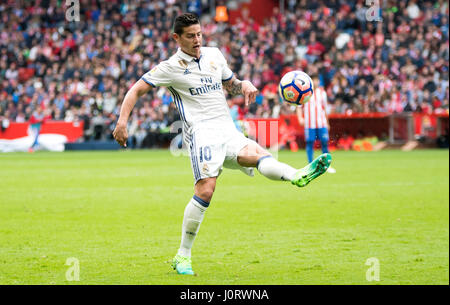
(313, 117)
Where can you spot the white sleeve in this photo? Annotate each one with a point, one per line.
(227, 74)
(159, 75)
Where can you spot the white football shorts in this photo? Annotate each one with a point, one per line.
(213, 147)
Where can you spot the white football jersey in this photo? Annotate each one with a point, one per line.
(196, 86)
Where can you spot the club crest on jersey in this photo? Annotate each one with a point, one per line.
(184, 65)
(205, 168)
(213, 66)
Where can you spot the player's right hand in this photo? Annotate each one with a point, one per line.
(120, 134)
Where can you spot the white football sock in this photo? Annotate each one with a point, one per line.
(193, 216)
(275, 170)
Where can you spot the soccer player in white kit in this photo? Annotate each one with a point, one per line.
(195, 76)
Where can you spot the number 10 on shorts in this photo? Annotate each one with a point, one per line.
(205, 152)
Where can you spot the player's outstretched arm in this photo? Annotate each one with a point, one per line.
(120, 132)
(246, 88)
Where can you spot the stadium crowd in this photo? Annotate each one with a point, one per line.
(82, 70)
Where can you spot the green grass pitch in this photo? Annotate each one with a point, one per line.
(119, 214)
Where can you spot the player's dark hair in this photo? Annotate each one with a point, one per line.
(183, 21)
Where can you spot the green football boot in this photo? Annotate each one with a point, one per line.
(182, 264)
(311, 171)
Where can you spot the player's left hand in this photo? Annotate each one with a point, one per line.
(120, 134)
(249, 91)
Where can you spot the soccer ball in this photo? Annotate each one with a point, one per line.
(296, 87)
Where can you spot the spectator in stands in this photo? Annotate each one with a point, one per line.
(47, 61)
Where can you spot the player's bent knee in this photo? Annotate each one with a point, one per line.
(250, 154)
